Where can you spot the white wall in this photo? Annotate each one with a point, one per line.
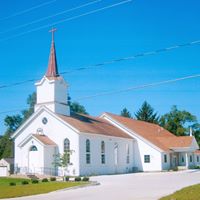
(49, 155)
(191, 164)
(22, 156)
(140, 150)
(4, 163)
(3, 171)
(56, 131)
(197, 162)
(142, 147)
(52, 94)
(96, 167)
(166, 165)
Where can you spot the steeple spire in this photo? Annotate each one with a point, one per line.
(52, 70)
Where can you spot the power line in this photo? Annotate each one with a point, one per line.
(50, 16)
(67, 19)
(140, 87)
(9, 111)
(132, 88)
(28, 10)
(17, 83)
(149, 53)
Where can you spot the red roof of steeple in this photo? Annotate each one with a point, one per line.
(52, 70)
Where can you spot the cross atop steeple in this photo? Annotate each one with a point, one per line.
(52, 31)
(52, 70)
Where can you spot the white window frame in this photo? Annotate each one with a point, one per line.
(147, 158)
(127, 154)
(88, 151)
(103, 156)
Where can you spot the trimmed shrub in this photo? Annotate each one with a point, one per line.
(77, 178)
(175, 169)
(34, 181)
(25, 182)
(44, 180)
(85, 178)
(195, 167)
(52, 178)
(66, 178)
(12, 184)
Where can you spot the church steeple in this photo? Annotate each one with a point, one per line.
(52, 89)
(52, 70)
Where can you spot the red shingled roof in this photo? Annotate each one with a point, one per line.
(155, 134)
(44, 139)
(93, 125)
(197, 152)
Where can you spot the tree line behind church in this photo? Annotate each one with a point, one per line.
(176, 121)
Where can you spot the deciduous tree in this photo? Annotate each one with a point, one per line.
(179, 121)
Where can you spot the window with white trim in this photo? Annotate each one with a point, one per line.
(66, 147)
(103, 157)
(127, 154)
(190, 158)
(147, 159)
(165, 158)
(88, 156)
(33, 148)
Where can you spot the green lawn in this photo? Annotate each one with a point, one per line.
(188, 193)
(7, 191)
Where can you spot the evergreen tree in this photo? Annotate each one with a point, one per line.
(146, 113)
(125, 113)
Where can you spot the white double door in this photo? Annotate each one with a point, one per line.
(34, 162)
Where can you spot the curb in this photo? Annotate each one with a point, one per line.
(92, 183)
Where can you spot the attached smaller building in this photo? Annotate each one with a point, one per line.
(155, 148)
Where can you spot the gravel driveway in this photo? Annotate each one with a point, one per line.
(138, 186)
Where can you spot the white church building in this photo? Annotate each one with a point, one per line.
(107, 144)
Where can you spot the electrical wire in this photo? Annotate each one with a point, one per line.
(140, 87)
(27, 10)
(50, 16)
(132, 88)
(67, 19)
(139, 55)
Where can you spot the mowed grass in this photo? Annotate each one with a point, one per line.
(188, 193)
(7, 191)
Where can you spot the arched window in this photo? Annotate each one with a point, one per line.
(33, 148)
(103, 160)
(116, 153)
(66, 145)
(87, 151)
(87, 146)
(127, 154)
(66, 148)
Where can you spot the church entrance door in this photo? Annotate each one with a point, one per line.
(33, 160)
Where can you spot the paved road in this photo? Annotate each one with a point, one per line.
(138, 186)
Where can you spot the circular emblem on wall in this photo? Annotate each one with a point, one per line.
(44, 120)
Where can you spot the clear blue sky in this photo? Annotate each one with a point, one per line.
(139, 26)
